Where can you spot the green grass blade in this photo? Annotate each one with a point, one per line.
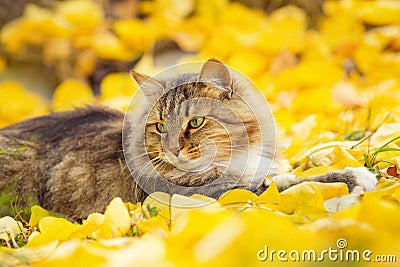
(391, 141)
(4, 151)
(386, 149)
(367, 162)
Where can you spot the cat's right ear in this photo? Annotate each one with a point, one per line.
(151, 88)
(216, 72)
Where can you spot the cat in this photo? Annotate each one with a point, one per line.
(182, 138)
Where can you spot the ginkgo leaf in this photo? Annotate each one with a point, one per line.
(310, 194)
(37, 213)
(52, 229)
(156, 225)
(339, 203)
(392, 171)
(117, 221)
(22, 104)
(70, 94)
(92, 224)
(161, 201)
(236, 197)
(9, 228)
(269, 197)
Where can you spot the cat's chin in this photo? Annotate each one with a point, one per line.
(185, 165)
(195, 178)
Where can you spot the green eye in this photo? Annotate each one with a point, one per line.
(161, 127)
(196, 122)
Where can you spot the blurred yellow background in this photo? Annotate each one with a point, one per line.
(329, 69)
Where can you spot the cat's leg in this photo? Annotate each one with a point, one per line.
(358, 180)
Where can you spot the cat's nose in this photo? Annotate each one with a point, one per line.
(175, 150)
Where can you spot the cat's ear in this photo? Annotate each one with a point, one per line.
(151, 88)
(214, 71)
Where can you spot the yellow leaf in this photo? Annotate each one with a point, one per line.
(108, 46)
(170, 208)
(385, 133)
(349, 213)
(330, 190)
(161, 201)
(313, 172)
(52, 228)
(57, 228)
(237, 197)
(379, 12)
(117, 90)
(70, 94)
(85, 16)
(396, 195)
(183, 202)
(342, 32)
(216, 241)
(74, 253)
(270, 196)
(383, 209)
(310, 194)
(145, 33)
(21, 104)
(37, 254)
(133, 207)
(324, 169)
(156, 225)
(386, 192)
(248, 61)
(92, 224)
(285, 30)
(346, 163)
(37, 214)
(117, 84)
(117, 221)
(205, 198)
(384, 183)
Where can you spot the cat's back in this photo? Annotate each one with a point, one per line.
(66, 158)
(61, 125)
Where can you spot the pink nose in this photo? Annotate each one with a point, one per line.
(175, 150)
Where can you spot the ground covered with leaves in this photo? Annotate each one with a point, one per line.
(334, 90)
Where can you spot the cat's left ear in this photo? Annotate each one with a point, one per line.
(214, 71)
(151, 88)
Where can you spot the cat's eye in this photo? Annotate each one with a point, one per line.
(161, 127)
(196, 122)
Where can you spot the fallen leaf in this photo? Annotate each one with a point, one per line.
(9, 228)
(392, 171)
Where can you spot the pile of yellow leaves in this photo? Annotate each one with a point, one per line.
(334, 91)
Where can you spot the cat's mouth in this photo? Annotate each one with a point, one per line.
(203, 160)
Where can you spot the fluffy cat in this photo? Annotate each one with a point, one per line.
(179, 139)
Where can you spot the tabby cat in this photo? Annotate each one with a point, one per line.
(192, 132)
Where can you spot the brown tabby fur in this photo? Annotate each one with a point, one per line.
(71, 164)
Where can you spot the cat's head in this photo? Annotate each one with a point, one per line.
(198, 127)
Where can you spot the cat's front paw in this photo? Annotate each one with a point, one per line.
(363, 180)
